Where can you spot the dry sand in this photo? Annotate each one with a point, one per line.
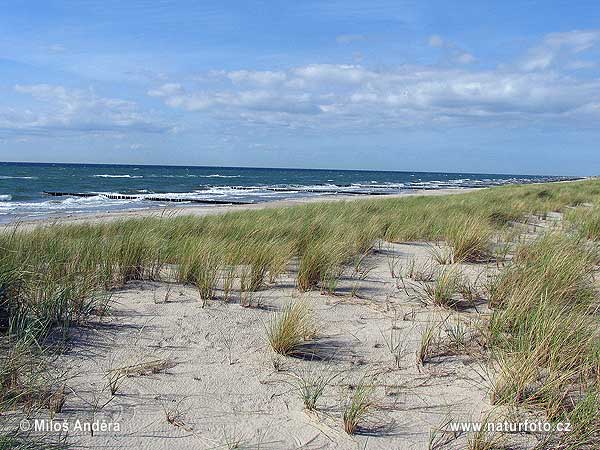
(218, 384)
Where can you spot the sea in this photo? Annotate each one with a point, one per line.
(26, 188)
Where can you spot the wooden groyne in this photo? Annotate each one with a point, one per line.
(375, 190)
(149, 198)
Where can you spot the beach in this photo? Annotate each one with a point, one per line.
(176, 209)
(356, 322)
(309, 225)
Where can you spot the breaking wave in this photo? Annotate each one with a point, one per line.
(104, 175)
(216, 175)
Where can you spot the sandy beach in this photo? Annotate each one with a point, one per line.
(392, 346)
(221, 383)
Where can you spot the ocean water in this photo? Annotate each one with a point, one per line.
(23, 185)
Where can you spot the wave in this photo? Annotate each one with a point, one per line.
(173, 176)
(104, 175)
(216, 175)
(234, 190)
(8, 177)
(189, 175)
(68, 204)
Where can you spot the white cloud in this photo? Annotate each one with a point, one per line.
(539, 59)
(166, 90)
(249, 100)
(353, 96)
(317, 74)
(577, 41)
(55, 48)
(579, 64)
(557, 47)
(262, 78)
(59, 109)
(350, 95)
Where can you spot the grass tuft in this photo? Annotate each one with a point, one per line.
(358, 406)
(443, 291)
(288, 330)
(469, 240)
(310, 385)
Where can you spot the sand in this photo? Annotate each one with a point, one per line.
(217, 382)
(164, 371)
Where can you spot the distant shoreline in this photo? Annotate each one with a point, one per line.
(176, 209)
(210, 210)
(34, 192)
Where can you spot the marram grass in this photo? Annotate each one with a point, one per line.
(49, 274)
(289, 330)
(55, 276)
(544, 329)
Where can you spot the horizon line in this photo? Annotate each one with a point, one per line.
(289, 168)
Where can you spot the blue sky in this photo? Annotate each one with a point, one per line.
(501, 87)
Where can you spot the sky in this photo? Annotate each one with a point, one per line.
(466, 86)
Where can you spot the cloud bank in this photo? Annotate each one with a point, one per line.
(60, 110)
(540, 89)
(551, 84)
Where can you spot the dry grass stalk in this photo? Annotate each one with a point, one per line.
(145, 368)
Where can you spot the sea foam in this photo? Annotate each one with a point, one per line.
(104, 175)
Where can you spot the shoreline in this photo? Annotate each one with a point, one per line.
(210, 210)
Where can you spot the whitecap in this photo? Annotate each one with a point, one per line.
(5, 198)
(172, 176)
(104, 175)
(66, 204)
(216, 175)
(8, 177)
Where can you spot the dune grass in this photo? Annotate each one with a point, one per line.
(586, 221)
(485, 439)
(55, 276)
(17, 440)
(443, 290)
(544, 329)
(95, 257)
(288, 330)
(585, 419)
(358, 405)
(469, 239)
(428, 343)
(310, 384)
